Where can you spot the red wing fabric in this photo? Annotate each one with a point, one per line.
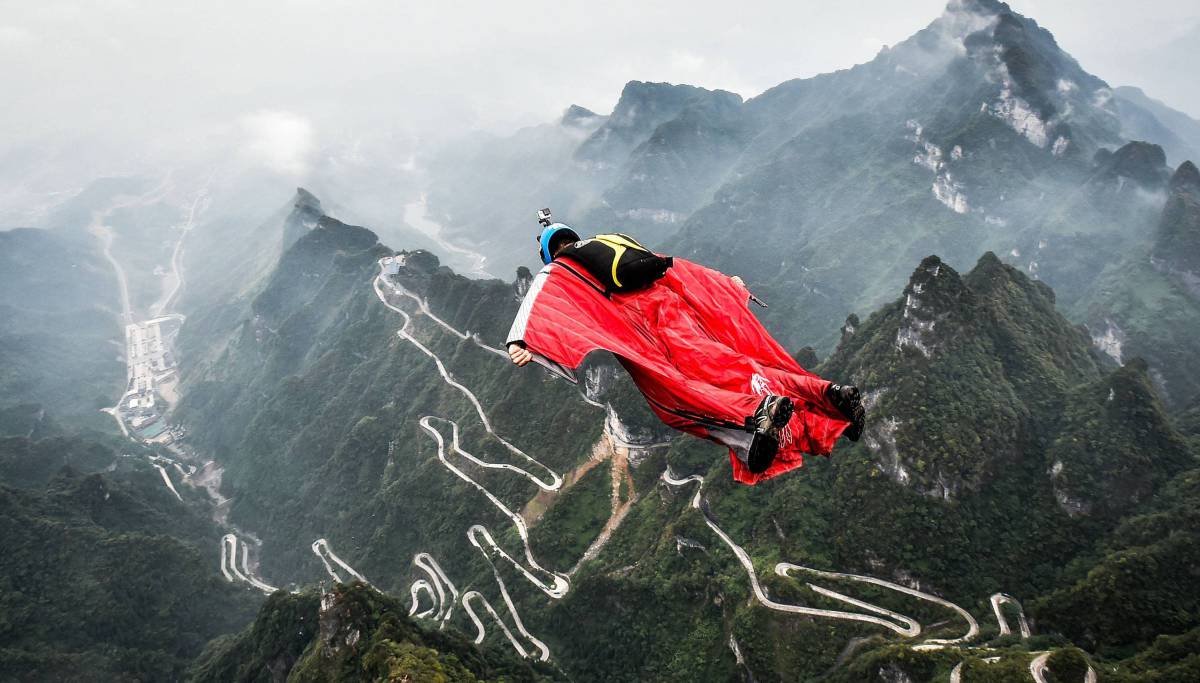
(695, 350)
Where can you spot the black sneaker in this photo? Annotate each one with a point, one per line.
(762, 452)
(848, 401)
(773, 414)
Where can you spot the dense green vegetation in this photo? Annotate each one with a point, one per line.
(316, 391)
(104, 576)
(564, 532)
(1169, 659)
(1149, 301)
(352, 633)
(992, 436)
(996, 433)
(266, 650)
(1141, 580)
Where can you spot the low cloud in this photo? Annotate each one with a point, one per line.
(16, 36)
(687, 61)
(280, 140)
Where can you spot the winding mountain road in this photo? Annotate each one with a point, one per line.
(321, 549)
(555, 481)
(167, 479)
(898, 623)
(999, 599)
(783, 569)
(176, 276)
(229, 564)
(554, 584)
(439, 582)
(1037, 669)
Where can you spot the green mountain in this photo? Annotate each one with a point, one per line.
(105, 575)
(352, 633)
(1177, 248)
(331, 399)
(1140, 584)
(1148, 303)
(340, 447)
(997, 432)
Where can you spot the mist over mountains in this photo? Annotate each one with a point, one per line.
(223, 395)
(978, 133)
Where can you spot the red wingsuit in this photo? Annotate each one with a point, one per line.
(699, 356)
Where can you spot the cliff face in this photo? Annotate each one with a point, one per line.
(1177, 248)
(960, 367)
(1147, 304)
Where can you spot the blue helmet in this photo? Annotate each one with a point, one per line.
(550, 234)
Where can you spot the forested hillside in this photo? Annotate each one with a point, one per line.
(105, 574)
(997, 431)
(352, 633)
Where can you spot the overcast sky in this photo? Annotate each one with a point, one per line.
(143, 69)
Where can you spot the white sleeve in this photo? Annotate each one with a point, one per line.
(516, 333)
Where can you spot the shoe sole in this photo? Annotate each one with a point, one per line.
(762, 453)
(783, 414)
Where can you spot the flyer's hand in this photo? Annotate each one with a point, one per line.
(737, 280)
(519, 354)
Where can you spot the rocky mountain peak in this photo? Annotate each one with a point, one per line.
(306, 214)
(1142, 162)
(579, 117)
(422, 261)
(962, 18)
(980, 7)
(1037, 89)
(933, 297)
(346, 235)
(989, 264)
(850, 327)
(1186, 178)
(991, 277)
(989, 337)
(1177, 248)
(936, 283)
(644, 105)
(641, 109)
(1125, 455)
(306, 200)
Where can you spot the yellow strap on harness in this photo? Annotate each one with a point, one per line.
(619, 243)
